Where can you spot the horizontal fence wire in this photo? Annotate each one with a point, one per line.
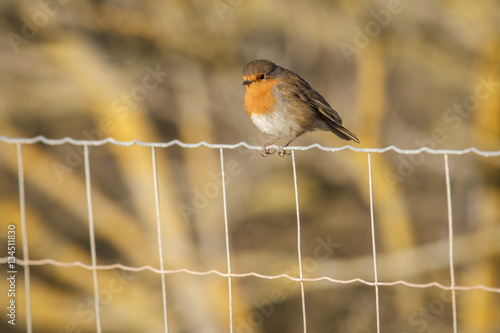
(126, 268)
(55, 142)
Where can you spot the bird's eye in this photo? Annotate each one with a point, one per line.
(262, 76)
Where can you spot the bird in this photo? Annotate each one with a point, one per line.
(283, 105)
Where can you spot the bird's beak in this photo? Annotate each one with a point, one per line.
(246, 82)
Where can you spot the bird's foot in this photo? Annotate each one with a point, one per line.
(282, 152)
(265, 151)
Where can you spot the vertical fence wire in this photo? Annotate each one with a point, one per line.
(374, 248)
(24, 233)
(450, 243)
(92, 238)
(299, 250)
(160, 247)
(226, 230)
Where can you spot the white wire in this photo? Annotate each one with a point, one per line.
(41, 262)
(24, 233)
(160, 247)
(450, 235)
(244, 144)
(92, 238)
(299, 250)
(374, 248)
(226, 229)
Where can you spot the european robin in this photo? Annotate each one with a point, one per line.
(283, 105)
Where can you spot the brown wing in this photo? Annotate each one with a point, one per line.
(299, 89)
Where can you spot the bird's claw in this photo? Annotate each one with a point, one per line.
(282, 152)
(265, 151)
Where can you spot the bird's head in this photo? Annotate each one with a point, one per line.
(258, 71)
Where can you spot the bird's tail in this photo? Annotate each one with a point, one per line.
(343, 133)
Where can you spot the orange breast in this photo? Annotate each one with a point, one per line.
(259, 97)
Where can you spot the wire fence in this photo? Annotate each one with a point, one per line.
(94, 267)
(55, 142)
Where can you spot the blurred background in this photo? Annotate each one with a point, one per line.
(399, 72)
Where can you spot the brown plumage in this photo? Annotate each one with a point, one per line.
(284, 105)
